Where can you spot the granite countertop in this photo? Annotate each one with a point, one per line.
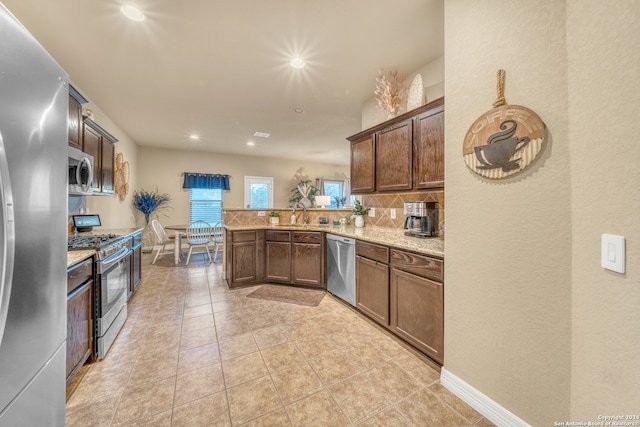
(74, 257)
(384, 236)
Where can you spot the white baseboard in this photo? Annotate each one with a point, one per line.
(478, 401)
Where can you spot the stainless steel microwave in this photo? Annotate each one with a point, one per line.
(80, 173)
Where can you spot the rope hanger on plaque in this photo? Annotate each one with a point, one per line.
(504, 140)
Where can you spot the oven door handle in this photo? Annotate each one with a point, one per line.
(123, 252)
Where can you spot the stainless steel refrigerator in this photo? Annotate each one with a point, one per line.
(33, 228)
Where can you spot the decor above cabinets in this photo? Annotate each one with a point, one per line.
(401, 154)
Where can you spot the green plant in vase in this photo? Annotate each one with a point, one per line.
(149, 203)
(359, 212)
(274, 217)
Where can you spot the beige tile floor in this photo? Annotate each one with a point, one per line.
(194, 353)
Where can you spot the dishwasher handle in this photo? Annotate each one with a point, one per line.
(341, 239)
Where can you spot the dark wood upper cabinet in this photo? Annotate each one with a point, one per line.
(101, 145)
(428, 146)
(75, 117)
(363, 158)
(394, 153)
(403, 153)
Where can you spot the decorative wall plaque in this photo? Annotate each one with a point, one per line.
(121, 176)
(504, 140)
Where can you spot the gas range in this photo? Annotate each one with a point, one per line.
(104, 244)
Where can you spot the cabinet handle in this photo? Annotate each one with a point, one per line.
(79, 289)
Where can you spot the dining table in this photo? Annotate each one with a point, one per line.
(180, 231)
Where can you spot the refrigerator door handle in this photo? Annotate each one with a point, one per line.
(7, 238)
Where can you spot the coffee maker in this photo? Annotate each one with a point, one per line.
(421, 219)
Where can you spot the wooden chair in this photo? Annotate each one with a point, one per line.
(199, 235)
(217, 238)
(162, 239)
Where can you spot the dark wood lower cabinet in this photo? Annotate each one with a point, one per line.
(417, 312)
(80, 338)
(278, 261)
(372, 289)
(244, 253)
(307, 264)
(403, 291)
(279, 256)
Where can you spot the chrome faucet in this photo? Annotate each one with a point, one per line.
(305, 215)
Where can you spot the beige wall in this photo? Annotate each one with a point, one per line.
(532, 320)
(508, 243)
(162, 169)
(432, 80)
(604, 100)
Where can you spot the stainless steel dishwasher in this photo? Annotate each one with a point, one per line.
(341, 267)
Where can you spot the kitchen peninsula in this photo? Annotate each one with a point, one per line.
(399, 279)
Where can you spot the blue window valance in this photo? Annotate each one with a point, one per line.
(205, 180)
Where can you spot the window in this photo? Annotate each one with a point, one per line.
(258, 192)
(206, 205)
(333, 189)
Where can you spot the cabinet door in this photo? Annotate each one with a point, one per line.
(108, 166)
(308, 265)
(73, 123)
(363, 165)
(417, 312)
(278, 261)
(394, 153)
(79, 327)
(244, 262)
(429, 149)
(91, 142)
(372, 289)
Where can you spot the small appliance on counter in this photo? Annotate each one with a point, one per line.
(84, 223)
(421, 219)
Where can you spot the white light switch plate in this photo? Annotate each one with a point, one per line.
(393, 213)
(372, 212)
(612, 253)
(260, 213)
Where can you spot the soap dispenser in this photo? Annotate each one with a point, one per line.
(293, 218)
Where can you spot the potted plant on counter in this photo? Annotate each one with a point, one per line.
(359, 212)
(274, 218)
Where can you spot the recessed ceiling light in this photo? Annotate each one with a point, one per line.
(297, 63)
(298, 110)
(132, 13)
(251, 143)
(194, 137)
(262, 134)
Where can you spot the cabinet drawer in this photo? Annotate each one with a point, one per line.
(421, 265)
(79, 273)
(277, 236)
(244, 236)
(372, 251)
(307, 237)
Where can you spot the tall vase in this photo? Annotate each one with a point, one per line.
(359, 221)
(148, 238)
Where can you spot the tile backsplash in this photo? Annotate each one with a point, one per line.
(383, 203)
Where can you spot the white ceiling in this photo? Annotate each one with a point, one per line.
(220, 69)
